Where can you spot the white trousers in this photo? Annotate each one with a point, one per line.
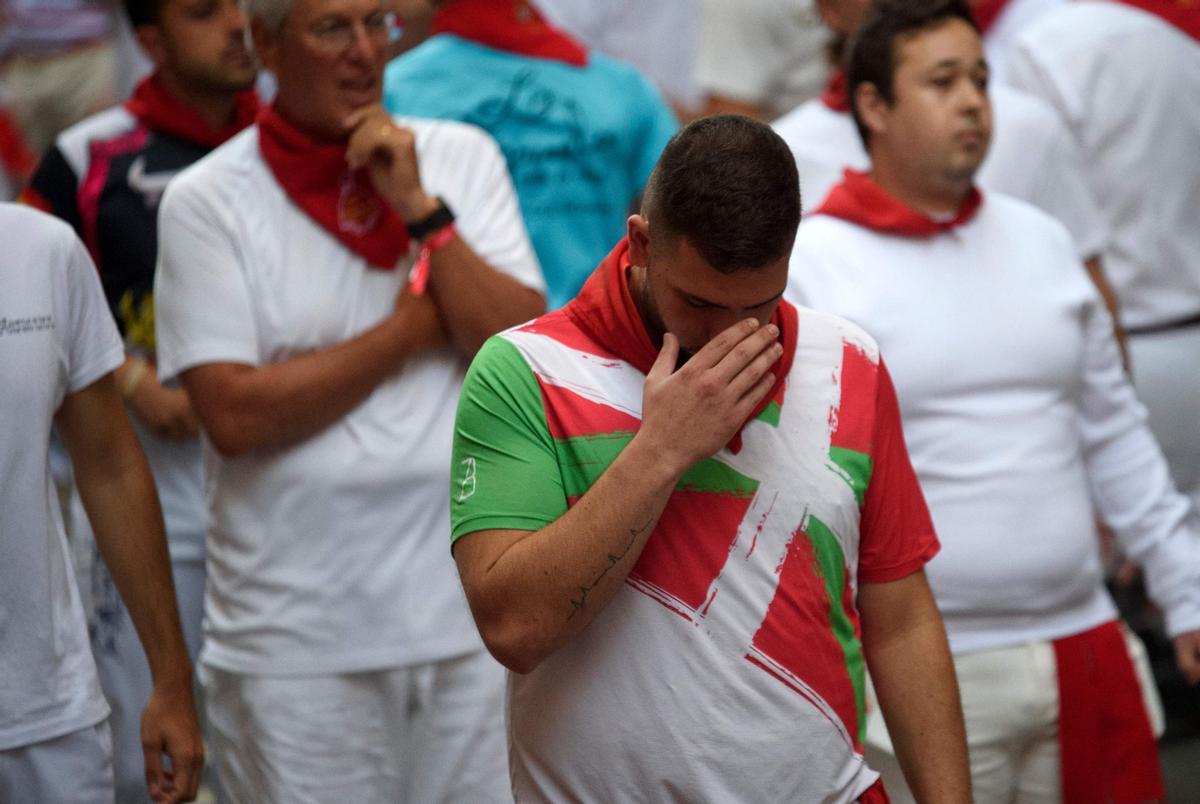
(73, 769)
(1166, 372)
(410, 735)
(121, 662)
(1010, 708)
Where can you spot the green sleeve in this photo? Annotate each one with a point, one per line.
(505, 472)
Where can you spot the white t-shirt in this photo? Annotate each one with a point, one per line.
(1031, 157)
(1018, 418)
(330, 555)
(1137, 120)
(1016, 16)
(661, 39)
(56, 337)
(766, 52)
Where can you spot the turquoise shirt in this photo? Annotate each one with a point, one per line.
(580, 141)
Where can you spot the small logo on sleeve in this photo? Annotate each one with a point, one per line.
(467, 490)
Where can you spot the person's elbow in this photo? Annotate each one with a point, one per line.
(513, 640)
(228, 436)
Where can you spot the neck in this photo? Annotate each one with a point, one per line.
(931, 194)
(215, 107)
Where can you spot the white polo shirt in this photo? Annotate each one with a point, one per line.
(1018, 418)
(1031, 157)
(329, 555)
(1137, 120)
(56, 337)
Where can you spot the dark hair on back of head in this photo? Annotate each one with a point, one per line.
(872, 52)
(728, 185)
(143, 12)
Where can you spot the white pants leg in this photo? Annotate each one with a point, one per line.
(73, 769)
(1168, 383)
(416, 735)
(1010, 707)
(121, 662)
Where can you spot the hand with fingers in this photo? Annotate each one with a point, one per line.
(1187, 656)
(169, 727)
(389, 155)
(166, 411)
(689, 414)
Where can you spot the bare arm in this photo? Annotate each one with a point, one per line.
(475, 300)
(905, 645)
(531, 591)
(166, 412)
(246, 408)
(118, 494)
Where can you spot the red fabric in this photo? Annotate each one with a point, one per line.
(836, 95)
(1108, 750)
(15, 156)
(605, 311)
(875, 794)
(343, 202)
(497, 24)
(798, 634)
(1183, 14)
(897, 536)
(162, 112)
(986, 12)
(860, 200)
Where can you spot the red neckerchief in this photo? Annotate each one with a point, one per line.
(343, 202)
(15, 155)
(860, 200)
(162, 112)
(495, 23)
(1108, 750)
(1183, 14)
(835, 95)
(605, 311)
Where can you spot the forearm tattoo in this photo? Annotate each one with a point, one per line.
(578, 603)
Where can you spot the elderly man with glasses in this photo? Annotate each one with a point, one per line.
(324, 277)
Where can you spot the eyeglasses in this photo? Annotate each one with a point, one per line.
(338, 34)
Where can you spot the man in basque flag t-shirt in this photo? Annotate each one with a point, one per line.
(685, 518)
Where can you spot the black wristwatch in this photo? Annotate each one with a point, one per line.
(439, 218)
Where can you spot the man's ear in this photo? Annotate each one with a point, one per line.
(637, 229)
(150, 38)
(873, 110)
(266, 44)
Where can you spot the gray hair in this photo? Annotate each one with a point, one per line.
(273, 13)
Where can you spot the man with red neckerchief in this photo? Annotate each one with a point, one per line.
(323, 278)
(1019, 418)
(1032, 155)
(685, 519)
(105, 176)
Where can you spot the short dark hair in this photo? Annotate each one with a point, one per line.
(872, 52)
(728, 185)
(143, 12)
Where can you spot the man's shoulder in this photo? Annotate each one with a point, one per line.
(78, 142)
(1006, 214)
(818, 324)
(21, 223)
(219, 173)
(450, 140)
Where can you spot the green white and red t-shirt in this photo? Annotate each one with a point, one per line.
(729, 666)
